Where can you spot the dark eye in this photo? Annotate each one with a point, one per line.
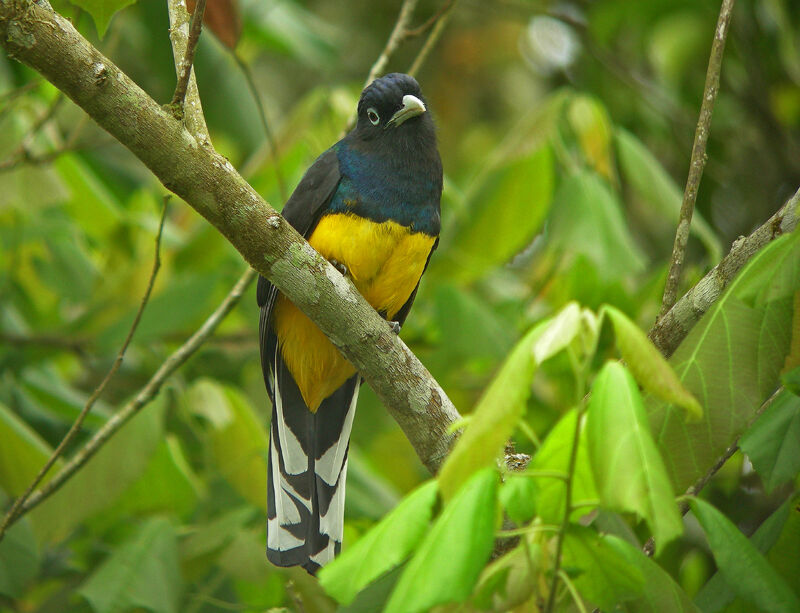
(373, 116)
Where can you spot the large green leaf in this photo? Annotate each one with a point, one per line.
(447, 563)
(773, 443)
(553, 455)
(730, 361)
(745, 570)
(606, 576)
(495, 417)
(628, 469)
(587, 218)
(142, 572)
(383, 547)
(102, 11)
(236, 436)
(505, 212)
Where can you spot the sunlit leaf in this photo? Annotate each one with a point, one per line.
(494, 419)
(558, 333)
(745, 570)
(553, 455)
(591, 124)
(447, 563)
(628, 469)
(518, 496)
(142, 572)
(648, 366)
(383, 547)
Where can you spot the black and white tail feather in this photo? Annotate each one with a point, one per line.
(307, 467)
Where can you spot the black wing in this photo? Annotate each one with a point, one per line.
(303, 209)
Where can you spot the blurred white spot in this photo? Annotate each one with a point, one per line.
(549, 45)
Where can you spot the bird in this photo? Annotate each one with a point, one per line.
(370, 204)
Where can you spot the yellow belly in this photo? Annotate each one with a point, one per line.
(384, 260)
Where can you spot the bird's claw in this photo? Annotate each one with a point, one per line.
(395, 326)
(340, 267)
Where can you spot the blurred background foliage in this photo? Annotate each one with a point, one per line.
(565, 130)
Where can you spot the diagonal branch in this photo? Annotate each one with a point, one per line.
(206, 180)
(698, 160)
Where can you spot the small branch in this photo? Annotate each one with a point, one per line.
(75, 345)
(439, 21)
(698, 160)
(186, 105)
(145, 395)
(419, 30)
(25, 158)
(14, 512)
(694, 489)
(195, 28)
(670, 330)
(562, 531)
(398, 35)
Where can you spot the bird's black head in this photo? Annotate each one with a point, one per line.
(392, 107)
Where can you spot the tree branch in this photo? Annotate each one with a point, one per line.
(438, 21)
(672, 328)
(698, 160)
(184, 36)
(16, 508)
(50, 44)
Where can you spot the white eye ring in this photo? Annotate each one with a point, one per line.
(373, 116)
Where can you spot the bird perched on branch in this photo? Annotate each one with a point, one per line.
(370, 205)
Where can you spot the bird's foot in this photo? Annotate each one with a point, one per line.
(340, 267)
(395, 326)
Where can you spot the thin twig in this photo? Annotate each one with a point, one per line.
(24, 158)
(145, 395)
(195, 28)
(694, 489)
(419, 30)
(76, 345)
(76, 426)
(698, 160)
(439, 21)
(273, 149)
(573, 457)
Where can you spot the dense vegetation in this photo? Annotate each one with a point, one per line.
(566, 131)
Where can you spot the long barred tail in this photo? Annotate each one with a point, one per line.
(307, 471)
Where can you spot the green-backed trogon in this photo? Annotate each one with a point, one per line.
(371, 205)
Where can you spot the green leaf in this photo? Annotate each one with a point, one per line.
(22, 453)
(446, 565)
(745, 570)
(237, 437)
(716, 594)
(19, 559)
(553, 455)
(167, 484)
(791, 380)
(592, 125)
(518, 496)
(653, 185)
(648, 366)
(142, 572)
(587, 219)
(558, 333)
(773, 442)
(509, 580)
(383, 547)
(628, 469)
(494, 419)
(98, 484)
(102, 11)
(506, 210)
(607, 577)
(661, 593)
(731, 361)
